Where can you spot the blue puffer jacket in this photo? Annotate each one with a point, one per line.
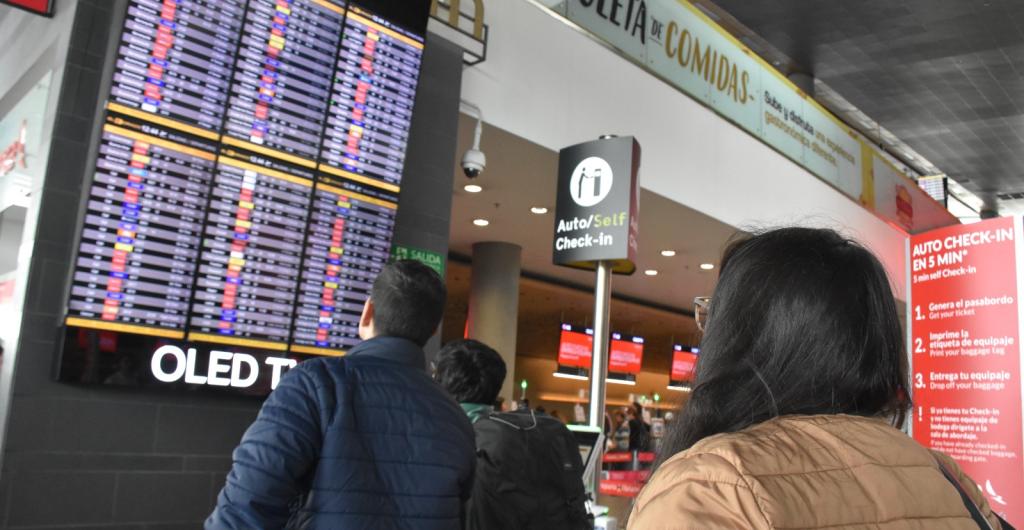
(363, 441)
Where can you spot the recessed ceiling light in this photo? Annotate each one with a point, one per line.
(481, 222)
(539, 210)
(668, 253)
(473, 188)
(707, 266)
(651, 272)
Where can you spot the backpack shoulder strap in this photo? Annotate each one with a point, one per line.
(979, 519)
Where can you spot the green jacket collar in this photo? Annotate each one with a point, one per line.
(475, 411)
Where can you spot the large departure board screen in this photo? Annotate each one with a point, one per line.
(244, 190)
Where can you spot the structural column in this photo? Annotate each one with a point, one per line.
(494, 302)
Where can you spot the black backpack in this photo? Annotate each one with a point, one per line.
(529, 475)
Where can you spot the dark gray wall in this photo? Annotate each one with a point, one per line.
(424, 218)
(81, 457)
(426, 198)
(12, 222)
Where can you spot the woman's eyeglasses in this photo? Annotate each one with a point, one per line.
(700, 310)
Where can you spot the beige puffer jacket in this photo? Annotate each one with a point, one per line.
(836, 472)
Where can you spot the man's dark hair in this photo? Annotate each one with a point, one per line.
(471, 371)
(408, 300)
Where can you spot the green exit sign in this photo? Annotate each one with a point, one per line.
(434, 260)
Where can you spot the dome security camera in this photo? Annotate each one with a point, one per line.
(473, 163)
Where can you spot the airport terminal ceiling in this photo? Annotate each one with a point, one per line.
(521, 175)
(942, 75)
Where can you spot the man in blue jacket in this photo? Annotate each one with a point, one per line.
(367, 440)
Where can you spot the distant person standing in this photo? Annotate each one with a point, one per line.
(367, 440)
(619, 440)
(529, 473)
(639, 430)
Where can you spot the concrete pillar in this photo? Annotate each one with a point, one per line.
(424, 214)
(494, 302)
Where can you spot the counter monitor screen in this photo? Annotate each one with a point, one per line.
(684, 366)
(588, 439)
(245, 187)
(575, 346)
(625, 355)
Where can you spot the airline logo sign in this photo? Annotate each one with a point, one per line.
(596, 209)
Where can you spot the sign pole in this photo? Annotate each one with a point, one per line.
(599, 357)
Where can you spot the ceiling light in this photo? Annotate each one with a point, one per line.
(668, 253)
(571, 376)
(539, 210)
(473, 188)
(707, 266)
(651, 272)
(481, 222)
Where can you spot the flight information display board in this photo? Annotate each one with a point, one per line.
(245, 188)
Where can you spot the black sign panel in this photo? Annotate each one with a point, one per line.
(598, 200)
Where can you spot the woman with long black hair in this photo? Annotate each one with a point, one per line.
(800, 389)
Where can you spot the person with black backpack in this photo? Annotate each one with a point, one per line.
(529, 474)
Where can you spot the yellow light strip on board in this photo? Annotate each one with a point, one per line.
(135, 113)
(313, 350)
(357, 196)
(236, 341)
(358, 178)
(126, 328)
(230, 140)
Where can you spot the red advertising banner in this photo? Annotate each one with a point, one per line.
(620, 488)
(575, 347)
(40, 7)
(684, 363)
(625, 354)
(633, 476)
(965, 344)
